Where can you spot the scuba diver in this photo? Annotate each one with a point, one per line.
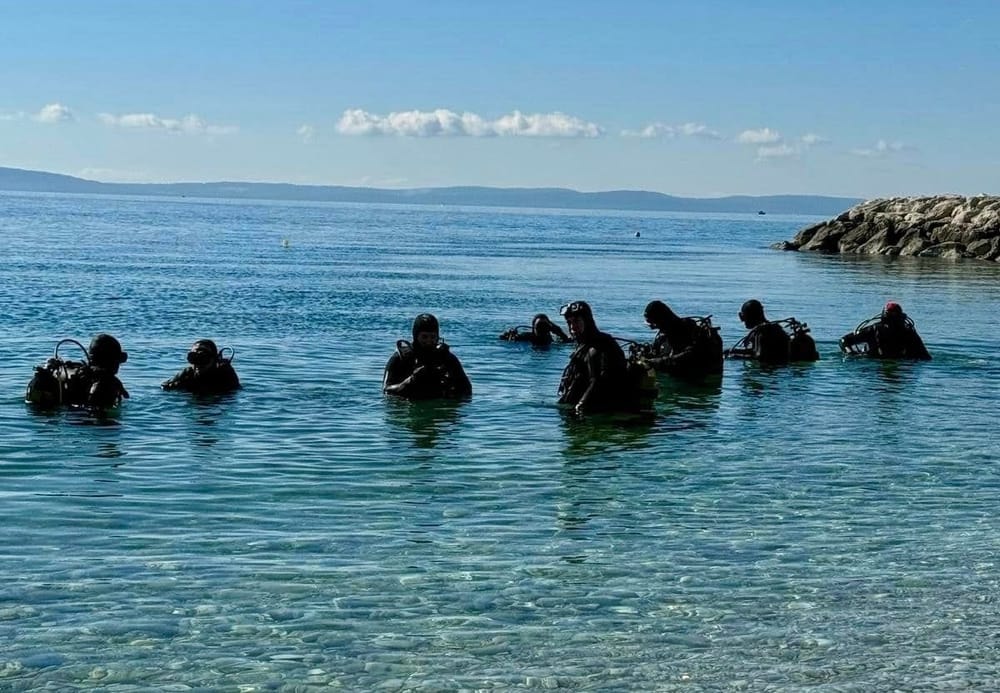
(598, 378)
(209, 371)
(91, 383)
(425, 368)
(686, 348)
(539, 334)
(889, 335)
(768, 342)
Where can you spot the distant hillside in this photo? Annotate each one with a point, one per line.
(19, 180)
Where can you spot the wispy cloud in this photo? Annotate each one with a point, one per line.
(189, 124)
(761, 136)
(307, 133)
(11, 115)
(777, 151)
(54, 113)
(812, 139)
(660, 130)
(881, 149)
(444, 123)
(772, 145)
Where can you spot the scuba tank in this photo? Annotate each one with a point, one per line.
(60, 381)
(77, 383)
(801, 346)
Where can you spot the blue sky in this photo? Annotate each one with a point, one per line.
(710, 98)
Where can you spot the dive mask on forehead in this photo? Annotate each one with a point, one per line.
(575, 308)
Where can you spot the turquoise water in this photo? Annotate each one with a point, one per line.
(826, 527)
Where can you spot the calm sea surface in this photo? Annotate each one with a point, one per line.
(825, 527)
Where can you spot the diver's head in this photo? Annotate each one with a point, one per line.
(203, 354)
(893, 312)
(106, 353)
(752, 313)
(541, 325)
(426, 331)
(579, 318)
(658, 315)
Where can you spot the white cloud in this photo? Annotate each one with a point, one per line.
(664, 131)
(811, 139)
(653, 131)
(777, 151)
(307, 133)
(881, 148)
(54, 113)
(444, 123)
(699, 130)
(189, 124)
(761, 136)
(11, 115)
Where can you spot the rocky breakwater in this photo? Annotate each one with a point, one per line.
(946, 226)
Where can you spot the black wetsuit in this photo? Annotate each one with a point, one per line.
(76, 384)
(691, 351)
(895, 339)
(595, 380)
(767, 343)
(434, 373)
(544, 339)
(218, 379)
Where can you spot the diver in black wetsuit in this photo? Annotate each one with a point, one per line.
(425, 368)
(686, 348)
(768, 342)
(209, 372)
(542, 330)
(90, 383)
(596, 379)
(889, 335)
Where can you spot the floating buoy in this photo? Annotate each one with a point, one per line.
(285, 243)
(637, 234)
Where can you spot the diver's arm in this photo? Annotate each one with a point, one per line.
(660, 363)
(744, 348)
(593, 376)
(179, 381)
(558, 332)
(917, 348)
(463, 387)
(852, 339)
(685, 358)
(660, 356)
(395, 379)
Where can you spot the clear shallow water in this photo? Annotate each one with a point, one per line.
(830, 527)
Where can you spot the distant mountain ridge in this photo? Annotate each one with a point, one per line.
(20, 180)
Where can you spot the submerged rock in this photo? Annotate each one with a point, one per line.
(946, 226)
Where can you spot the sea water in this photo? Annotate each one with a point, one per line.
(830, 526)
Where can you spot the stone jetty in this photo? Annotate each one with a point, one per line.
(945, 226)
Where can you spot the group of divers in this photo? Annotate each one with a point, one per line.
(599, 378)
